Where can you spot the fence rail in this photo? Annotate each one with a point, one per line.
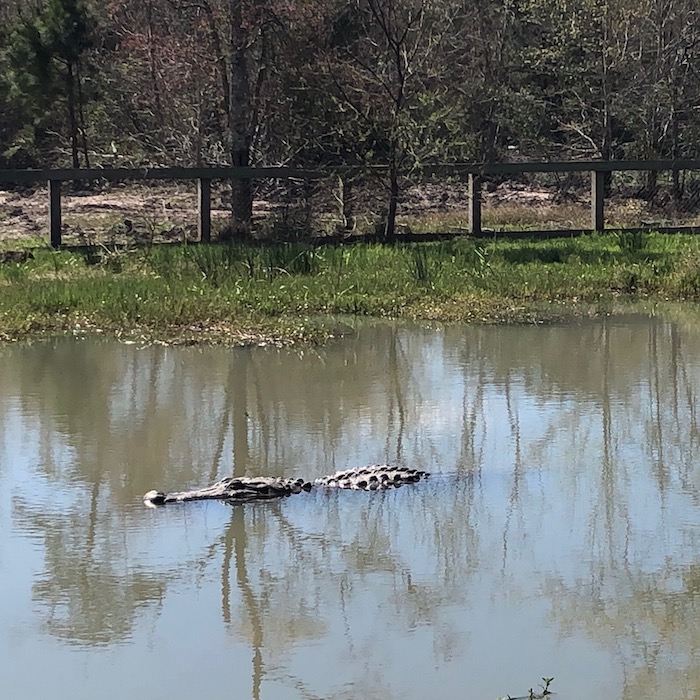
(474, 173)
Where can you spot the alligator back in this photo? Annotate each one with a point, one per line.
(376, 477)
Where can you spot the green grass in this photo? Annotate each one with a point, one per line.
(239, 293)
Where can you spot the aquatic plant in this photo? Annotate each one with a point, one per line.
(532, 695)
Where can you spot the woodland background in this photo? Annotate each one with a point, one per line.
(313, 83)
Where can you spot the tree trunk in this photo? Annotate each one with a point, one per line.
(72, 120)
(651, 186)
(390, 224)
(81, 115)
(239, 126)
(345, 199)
(155, 88)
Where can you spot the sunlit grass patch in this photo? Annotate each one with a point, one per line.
(225, 290)
(509, 216)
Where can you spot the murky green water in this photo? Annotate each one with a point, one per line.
(558, 536)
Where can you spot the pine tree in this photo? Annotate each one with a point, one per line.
(44, 56)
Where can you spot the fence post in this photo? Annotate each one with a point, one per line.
(474, 194)
(55, 213)
(598, 200)
(204, 209)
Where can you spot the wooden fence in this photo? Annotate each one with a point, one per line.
(473, 173)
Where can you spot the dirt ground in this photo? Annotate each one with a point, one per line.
(104, 215)
(144, 212)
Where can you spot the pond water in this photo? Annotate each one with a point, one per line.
(558, 534)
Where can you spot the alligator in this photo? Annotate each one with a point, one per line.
(375, 477)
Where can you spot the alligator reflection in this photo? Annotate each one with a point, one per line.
(276, 606)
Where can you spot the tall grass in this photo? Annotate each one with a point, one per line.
(173, 286)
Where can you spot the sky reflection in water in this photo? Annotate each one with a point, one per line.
(557, 536)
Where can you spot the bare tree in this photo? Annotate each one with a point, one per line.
(386, 78)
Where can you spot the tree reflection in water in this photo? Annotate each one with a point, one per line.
(564, 472)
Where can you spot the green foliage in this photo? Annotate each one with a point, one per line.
(421, 265)
(217, 264)
(401, 83)
(41, 59)
(631, 241)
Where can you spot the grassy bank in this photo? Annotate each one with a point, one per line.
(239, 293)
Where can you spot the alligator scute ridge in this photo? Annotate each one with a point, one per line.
(374, 477)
